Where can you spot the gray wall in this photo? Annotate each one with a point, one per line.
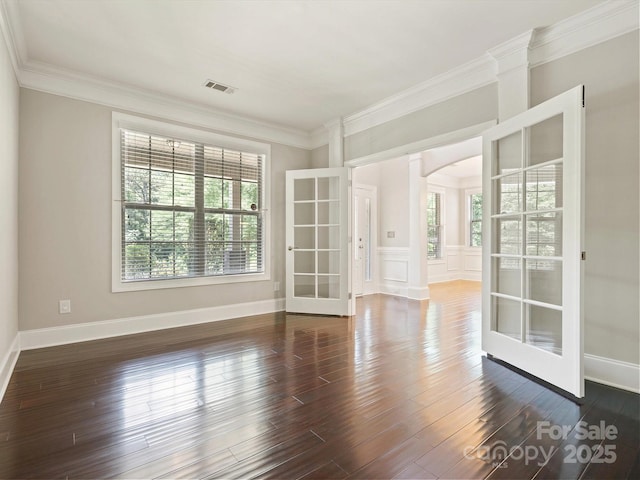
(9, 93)
(472, 108)
(609, 72)
(320, 157)
(65, 221)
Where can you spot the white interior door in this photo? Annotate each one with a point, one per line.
(364, 244)
(318, 258)
(532, 273)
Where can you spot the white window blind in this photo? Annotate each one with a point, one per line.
(189, 209)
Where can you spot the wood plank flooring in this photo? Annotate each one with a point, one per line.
(399, 391)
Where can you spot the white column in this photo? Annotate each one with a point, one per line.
(418, 281)
(336, 145)
(512, 70)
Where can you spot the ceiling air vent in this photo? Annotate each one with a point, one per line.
(219, 86)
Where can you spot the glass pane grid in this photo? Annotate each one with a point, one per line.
(526, 290)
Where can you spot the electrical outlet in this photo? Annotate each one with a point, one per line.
(64, 306)
(276, 286)
(391, 234)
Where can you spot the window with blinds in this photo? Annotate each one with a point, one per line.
(434, 225)
(189, 209)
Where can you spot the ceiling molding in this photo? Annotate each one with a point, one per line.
(51, 79)
(319, 137)
(48, 79)
(596, 25)
(514, 53)
(465, 78)
(593, 26)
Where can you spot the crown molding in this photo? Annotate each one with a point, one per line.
(603, 22)
(50, 79)
(11, 28)
(319, 137)
(513, 54)
(460, 80)
(595, 25)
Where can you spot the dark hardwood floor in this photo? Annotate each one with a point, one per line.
(400, 391)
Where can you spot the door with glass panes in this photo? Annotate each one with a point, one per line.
(318, 259)
(533, 241)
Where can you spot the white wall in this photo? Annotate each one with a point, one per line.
(459, 261)
(9, 94)
(65, 222)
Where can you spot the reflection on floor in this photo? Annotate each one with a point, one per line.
(400, 391)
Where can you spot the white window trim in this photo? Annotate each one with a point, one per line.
(467, 216)
(443, 240)
(120, 121)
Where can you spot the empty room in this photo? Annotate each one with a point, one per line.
(320, 239)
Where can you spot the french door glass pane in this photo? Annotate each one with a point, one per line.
(545, 141)
(304, 286)
(304, 189)
(304, 237)
(328, 213)
(508, 235)
(328, 188)
(508, 154)
(304, 213)
(328, 286)
(509, 194)
(304, 262)
(544, 281)
(507, 317)
(544, 328)
(544, 234)
(329, 237)
(544, 188)
(507, 276)
(329, 262)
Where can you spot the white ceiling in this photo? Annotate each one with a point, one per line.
(295, 63)
(471, 167)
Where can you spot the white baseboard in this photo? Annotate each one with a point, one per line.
(614, 373)
(8, 364)
(418, 293)
(397, 290)
(82, 332)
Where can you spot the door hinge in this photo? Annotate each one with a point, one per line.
(350, 295)
(583, 95)
(583, 256)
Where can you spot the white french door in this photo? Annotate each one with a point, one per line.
(533, 241)
(318, 259)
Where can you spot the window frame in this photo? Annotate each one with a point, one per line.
(130, 122)
(468, 193)
(441, 192)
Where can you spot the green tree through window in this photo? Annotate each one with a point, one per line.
(189, 209)
(475, 220)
